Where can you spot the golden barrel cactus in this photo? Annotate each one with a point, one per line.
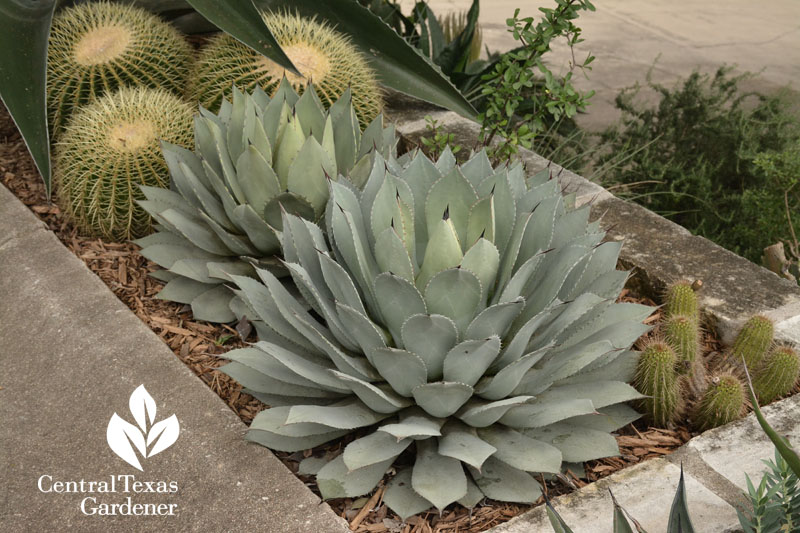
(322, 55)
(98, 47)
(108, 149)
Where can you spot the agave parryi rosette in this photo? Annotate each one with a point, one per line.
(257, 157)
(468, 321)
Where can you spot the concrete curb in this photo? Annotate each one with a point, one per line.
(72, 354)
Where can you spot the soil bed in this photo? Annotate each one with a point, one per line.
(199, 345)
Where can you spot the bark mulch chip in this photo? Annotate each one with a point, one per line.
(199, 345)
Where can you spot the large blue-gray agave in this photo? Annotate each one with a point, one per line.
(256, 157)
(463, 314)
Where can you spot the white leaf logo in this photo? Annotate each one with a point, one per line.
(125, 439)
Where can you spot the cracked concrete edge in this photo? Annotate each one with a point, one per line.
(785, 312)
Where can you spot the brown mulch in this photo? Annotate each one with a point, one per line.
(198, 345)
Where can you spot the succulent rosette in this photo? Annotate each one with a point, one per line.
(463, 327)
(256, 157)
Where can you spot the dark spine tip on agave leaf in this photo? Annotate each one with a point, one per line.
(446, 214)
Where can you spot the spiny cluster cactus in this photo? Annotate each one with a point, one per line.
(469, 321)
(657, 380)
(97, 47)
(109, 149)
(256, 157)
(322, 55)
(753, 342)
(778, 375)
(723, 402)
(680, 343)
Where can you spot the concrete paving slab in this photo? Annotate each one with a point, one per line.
(72, 355)
(646, 491)
(627, 36)
(737, 449)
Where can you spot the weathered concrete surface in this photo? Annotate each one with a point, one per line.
(737, 449)
(646, 491)
(659, 250)
(71, 355)
(627, 36)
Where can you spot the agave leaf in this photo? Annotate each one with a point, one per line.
(570, 313)
(430, 337)
(519, 341)
(477, 168)
(577, 444)
(263, 383)
(414, 425)
(453, 194)
(466, 362)
(446, 161)
(361, 328)
(340, 283)
(520, 451)
(504, 207)
(557, 523)
(391, 255)
(556, 267)
(461, 442)
(499, 481)
(621, 524)
(560, 366)
(437, 478)
(607, 419)
(213, 305)
(381, 399)
(301, 241)
(335, 480)
(374, 448)
(494, 320)
(441, 398)
(261, 360)
(397, 299)
(483, 260)
(284, 443)
(473, 496)
(679, 519)
(401, 498)
(196, 232)
(443, 251)
(236, 244)
(481, 221)
(289, 144)
(402, 369)
(182, 290)
(480, 414)
(506, 380)
(541, 413)
(274, 421)
(601, 393)
(307, 174)
(570, 225)
(309, 108)
(257, 179)
(456, 294)
(350, 414)
(322, 376)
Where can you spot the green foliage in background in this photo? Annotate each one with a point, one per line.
(775, 502)
(521, 97)
(708, 156)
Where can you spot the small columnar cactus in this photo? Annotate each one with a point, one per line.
(97, 47)
(753, 342)
(323, 56)
(778, 375)
(683, 335)
(657, 379)
(110, 148)
(721, 403)
(257, 157)
(681, 299)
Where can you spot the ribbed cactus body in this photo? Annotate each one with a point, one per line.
(110, 148)
(97, 47)
(681, 300)
(657, 379)
(683, 335)
(778, 375)
(722, 402)
(323, 56)
(753, 342)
